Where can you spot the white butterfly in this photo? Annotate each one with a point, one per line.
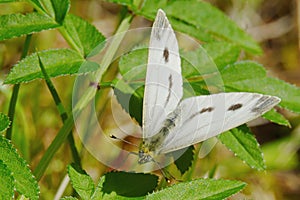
(170, 122)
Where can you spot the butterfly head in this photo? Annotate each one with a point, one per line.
(144, 155)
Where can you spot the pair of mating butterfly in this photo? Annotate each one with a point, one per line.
(170, 123)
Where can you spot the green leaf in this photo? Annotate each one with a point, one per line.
(68, 198)
(81, 182)
(4, 122)
(37, 4)
(25, 182)
(57, 62)
(244, 145)
(129, 184)
(6, 182)
(235, 73)
(196, 32)
(199, 189)
(15, 25)
(200, 19)
(185, 160)
(99, 195)
(289, 94)
(61, 8)
(223, 53)
(130, 97)
(83, 34)
(132, 66)
(251, 77)
(277, 118)
(202, 14)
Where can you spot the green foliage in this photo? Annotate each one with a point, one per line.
(185, 160)
(15, 25)
(57, 62)
(199, 189)
(120, 185)
(84, 35)
(61, 8)
(243, 143)
(196, 14)
(251, 77)
(6, 182)
(24, 181)
(81, 182)
(222, 53)
(38, 5)
(129, 184)
(68, 198)
(4, 122)
(277, 118)
(196, 20)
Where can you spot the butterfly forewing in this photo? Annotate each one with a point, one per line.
(163, 85)
(203, 117)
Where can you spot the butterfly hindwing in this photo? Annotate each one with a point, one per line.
(203, 117)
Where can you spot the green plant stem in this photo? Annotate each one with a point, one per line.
(69, 39)
(14, 96)
(106, 85)
(54, 146)
(62, 112)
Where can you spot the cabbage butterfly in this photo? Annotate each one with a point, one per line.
(171, 123)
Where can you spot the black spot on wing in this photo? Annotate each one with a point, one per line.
(166, 55)
(169, 89)
(235, 107)
(203, 110)
(208, 109)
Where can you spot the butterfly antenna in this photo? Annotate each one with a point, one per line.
(117, 138)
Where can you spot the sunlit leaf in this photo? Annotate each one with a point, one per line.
(199, 189)
(15, 25)
(81, 182)
(277, 118)
(25, 182)
(7, 183)
(57, 62)
(61, 8)
(244, 145)
(193, 16)
(4, 122)
(83, 34)
(222, 53)
(249, 76)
